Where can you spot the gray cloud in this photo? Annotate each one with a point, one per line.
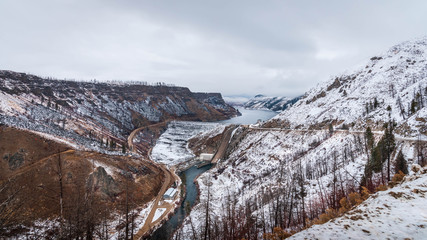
(233, 47)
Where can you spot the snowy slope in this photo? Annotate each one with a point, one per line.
(398, 213)
(171, 147)
(393, 79)
(268, 160)
(278, 104)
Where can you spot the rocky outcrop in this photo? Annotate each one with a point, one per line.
(99, 181)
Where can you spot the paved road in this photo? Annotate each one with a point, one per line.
(397, 137)
(149, 221)
(224, 144)
(134, 132)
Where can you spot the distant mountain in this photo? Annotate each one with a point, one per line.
(277, 104)
(85, 112)
(237, 101)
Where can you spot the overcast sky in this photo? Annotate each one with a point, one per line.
(233, 47)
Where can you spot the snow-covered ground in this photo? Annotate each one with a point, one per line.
(171, 148)
(398, 213)
(141, 216)
(266, 160)
(159, 212)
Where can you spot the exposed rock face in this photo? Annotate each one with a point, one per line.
(99, 110)
(100, 181)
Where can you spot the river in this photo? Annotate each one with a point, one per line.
(167, 229)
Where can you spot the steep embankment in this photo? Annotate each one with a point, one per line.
(284, 176)
(86, 112)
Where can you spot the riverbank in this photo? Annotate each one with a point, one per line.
(168, 229)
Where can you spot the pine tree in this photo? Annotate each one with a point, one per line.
(376, 163)
(369, 136)
(375, 103)
(369, 145)
(389, 145)
(401, 164)
(367, 108)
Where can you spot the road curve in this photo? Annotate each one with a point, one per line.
(134, 132)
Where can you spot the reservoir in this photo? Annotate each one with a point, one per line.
(250, 116)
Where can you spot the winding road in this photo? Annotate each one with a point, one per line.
(134, 132)
(170, 177)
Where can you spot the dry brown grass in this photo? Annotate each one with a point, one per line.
(38, 178)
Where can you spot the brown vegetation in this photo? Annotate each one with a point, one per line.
(79, 189)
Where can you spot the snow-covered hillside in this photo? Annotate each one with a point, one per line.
(267, 164)
(398, 213)
(278, 104)
(298, 165)
(86, 112)
(391, 85)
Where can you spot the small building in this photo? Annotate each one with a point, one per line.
(206, 156)
(170, 194)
